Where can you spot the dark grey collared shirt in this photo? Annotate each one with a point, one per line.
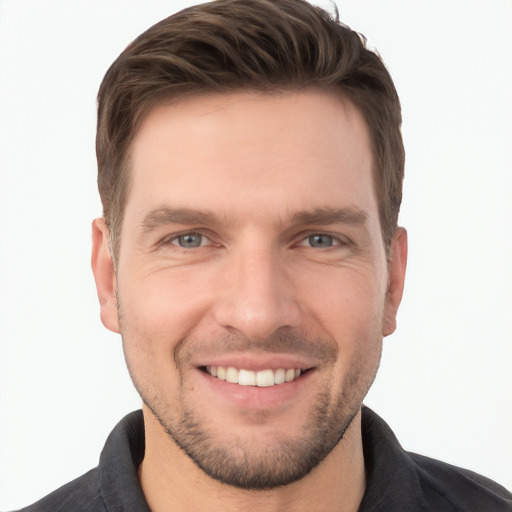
(397, 481)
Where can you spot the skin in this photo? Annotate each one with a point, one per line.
(268, 173)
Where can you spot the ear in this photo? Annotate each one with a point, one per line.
(396, 278)
(104, 275)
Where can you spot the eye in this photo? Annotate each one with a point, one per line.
(320, 241)
(189, 240)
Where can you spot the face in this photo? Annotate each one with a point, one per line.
(252, 283)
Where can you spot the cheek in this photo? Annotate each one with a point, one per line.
(164, 305)
(349, 310)
(158, 312)
(348, 304)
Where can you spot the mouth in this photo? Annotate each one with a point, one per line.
(263, 378)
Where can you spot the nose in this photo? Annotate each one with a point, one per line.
(256, 296)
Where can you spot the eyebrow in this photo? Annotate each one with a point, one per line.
(328, 215)
(166, 216)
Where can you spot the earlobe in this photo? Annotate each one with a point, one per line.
(397, 266)
(104, 275)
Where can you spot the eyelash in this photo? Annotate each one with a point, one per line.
(335, 241)
(175, 238)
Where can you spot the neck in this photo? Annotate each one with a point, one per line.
(170, 480)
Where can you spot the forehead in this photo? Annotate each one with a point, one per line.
(251, 151)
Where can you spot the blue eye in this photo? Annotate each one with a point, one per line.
(189, 240)
(321, 240)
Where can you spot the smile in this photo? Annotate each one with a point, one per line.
(262, 378)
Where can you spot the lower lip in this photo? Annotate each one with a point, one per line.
(254, 397)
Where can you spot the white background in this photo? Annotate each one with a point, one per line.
(445, 385)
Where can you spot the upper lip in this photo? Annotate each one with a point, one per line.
(257, 362)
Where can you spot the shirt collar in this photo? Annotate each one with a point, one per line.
(391, 478)
(119, 463)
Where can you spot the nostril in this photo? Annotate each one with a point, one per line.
(258, 319)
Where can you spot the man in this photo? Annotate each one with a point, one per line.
(250, 168)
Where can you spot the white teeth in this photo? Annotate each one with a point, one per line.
(246, 378)
(263, 378)
(232, 375)
(280, 376)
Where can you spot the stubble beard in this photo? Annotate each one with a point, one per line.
(264, 464)
(253, 465)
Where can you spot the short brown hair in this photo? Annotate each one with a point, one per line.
(232, 45)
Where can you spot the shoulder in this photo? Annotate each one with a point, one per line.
(80, 495)
(462, 488)
(114, 484)
(398, 480)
